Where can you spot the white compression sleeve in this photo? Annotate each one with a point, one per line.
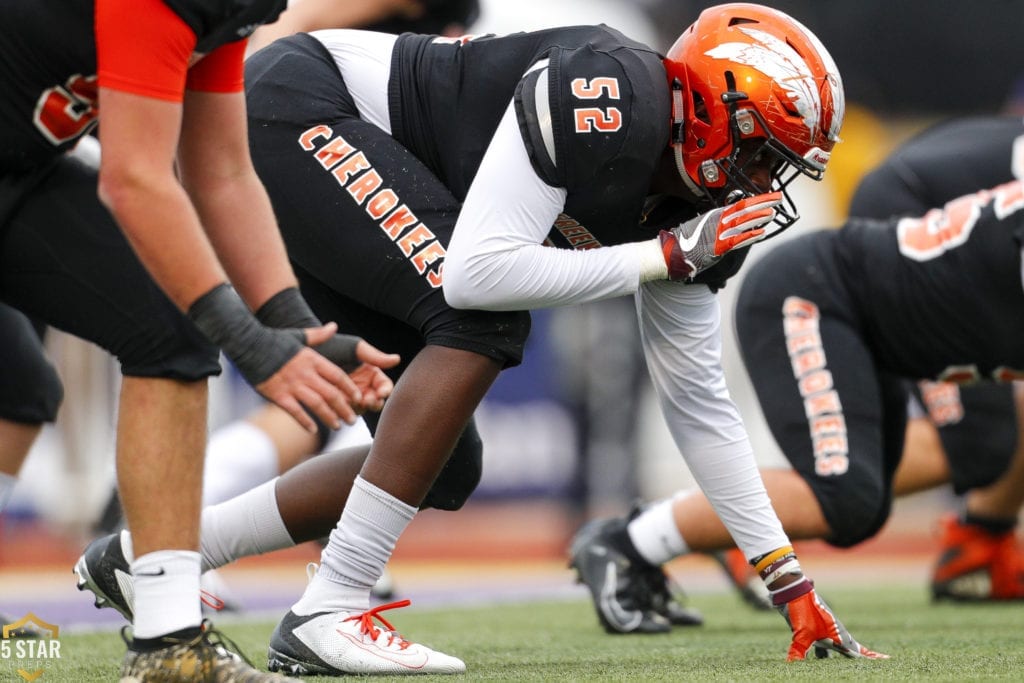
(496, 259)
(680, 333)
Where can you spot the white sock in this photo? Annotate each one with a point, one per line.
(249, 524)
(166, 592)
(239, 456)
(127, 549)
(359, 548)
(655, 534)
(7, 483)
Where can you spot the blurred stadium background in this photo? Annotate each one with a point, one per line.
(574, 432)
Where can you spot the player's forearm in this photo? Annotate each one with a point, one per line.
(680, 331)
(238, 218)
(163, 228)
(496, 261)
(728, 476)
(531, 276)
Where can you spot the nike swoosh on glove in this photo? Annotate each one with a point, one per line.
(815, 626)
(699, 243)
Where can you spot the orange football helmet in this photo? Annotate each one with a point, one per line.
(751, 86)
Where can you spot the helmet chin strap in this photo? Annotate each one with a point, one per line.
(677, 139)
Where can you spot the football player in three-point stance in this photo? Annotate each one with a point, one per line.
(835, 324)
(387, 158)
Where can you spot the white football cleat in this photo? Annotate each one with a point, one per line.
(333, 643)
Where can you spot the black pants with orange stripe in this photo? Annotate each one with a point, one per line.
(837, 417)
(977, 426)
(838, 421)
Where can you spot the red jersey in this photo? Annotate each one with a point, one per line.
(55, 55)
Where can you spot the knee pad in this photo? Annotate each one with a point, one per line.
(31, 391)
(976, 463)
(496, 334)
(855, 516)
(34, 400)
(461, 474)
(987, 409)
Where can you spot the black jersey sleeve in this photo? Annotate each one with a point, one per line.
(583, 114)
(948, 160)
(218, 22)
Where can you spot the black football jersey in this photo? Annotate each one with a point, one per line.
(48, 64)
(595, 121)
(941, 296)
(945, 161)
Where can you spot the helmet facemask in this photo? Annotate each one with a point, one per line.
(747, 158)
(756, 102)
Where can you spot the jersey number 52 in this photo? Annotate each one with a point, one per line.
(589, 119)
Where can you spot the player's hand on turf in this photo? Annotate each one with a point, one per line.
(815, 627)
(699, 243)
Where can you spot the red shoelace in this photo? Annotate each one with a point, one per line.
(366, 624)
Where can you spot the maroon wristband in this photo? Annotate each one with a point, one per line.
(792, 592)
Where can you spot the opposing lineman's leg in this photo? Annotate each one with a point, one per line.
(96, 289)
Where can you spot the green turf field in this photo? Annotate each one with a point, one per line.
(562, 641)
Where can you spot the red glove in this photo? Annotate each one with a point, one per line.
(814, 625)
(699, 243)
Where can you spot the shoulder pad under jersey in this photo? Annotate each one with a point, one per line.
(575, 111)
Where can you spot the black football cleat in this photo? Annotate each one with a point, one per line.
(629, 596)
